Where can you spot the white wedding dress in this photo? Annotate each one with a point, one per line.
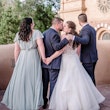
(74, 89)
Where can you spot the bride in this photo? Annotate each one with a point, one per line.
(74, 89)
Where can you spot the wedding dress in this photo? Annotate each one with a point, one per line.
(74, 89)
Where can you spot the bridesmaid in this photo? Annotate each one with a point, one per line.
(24, 91)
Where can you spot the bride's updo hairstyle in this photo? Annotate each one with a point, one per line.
(25, 29)
(72, 27)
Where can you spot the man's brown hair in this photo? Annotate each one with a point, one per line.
(56, 20)
(82, 17)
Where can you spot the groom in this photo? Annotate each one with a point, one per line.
(52, 43)
(87, 39)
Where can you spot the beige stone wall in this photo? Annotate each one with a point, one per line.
(6, 64)
(70, 9)
(94, 13)
(102, 70)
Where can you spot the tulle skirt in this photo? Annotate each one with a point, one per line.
(74, 89)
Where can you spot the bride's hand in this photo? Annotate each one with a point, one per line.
(48, 60)
(44, 60)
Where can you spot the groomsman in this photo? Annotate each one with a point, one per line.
(87, 39)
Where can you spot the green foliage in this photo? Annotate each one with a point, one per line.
(8, 26)
(43, 16)
(10, 18)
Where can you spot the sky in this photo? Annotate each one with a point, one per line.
(22, 0)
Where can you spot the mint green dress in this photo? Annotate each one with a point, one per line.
(24, 91)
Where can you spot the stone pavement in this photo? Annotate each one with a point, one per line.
(104, 89)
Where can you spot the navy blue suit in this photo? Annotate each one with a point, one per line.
(50, 72)
(88, 55)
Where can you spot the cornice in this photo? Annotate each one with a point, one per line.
(82, 8)
(72, 10)
(69, 1)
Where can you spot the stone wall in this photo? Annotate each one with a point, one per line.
(103, 64)
(70, 9)
(6, 64)
(102, 71)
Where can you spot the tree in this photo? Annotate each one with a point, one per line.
(43, 16)
(41, 13)
(10, 17)
(8, 26)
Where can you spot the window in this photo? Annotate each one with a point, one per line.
(106, 36)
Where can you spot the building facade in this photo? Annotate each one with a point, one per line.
(98, 12)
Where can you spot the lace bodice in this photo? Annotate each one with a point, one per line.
(69, 49)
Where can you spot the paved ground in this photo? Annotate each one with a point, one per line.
(104, 89)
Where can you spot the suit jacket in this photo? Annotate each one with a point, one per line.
(87, 40)
(53, 43)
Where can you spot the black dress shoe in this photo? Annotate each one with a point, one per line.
(45, 106)
(45, 103)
